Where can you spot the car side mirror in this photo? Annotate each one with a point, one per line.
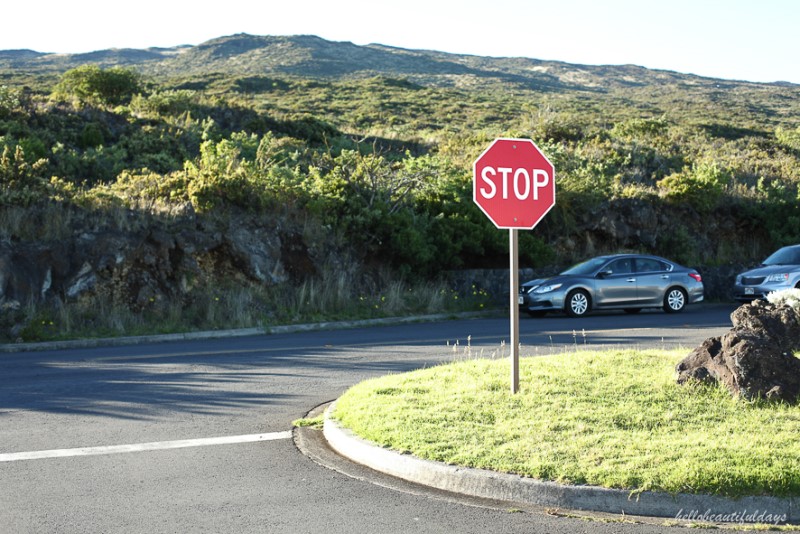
(604, 274)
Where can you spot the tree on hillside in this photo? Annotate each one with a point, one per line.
(93, 85)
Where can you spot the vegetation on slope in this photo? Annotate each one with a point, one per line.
(381, 165)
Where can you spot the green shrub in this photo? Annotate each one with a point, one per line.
(21, 183)
(220, 177)
(701, 186)
(9, 101)
(788, 138)
(159, 103)
(640, 127)
(89, 84)
(148, 189)
(91, 136)
(245, 171)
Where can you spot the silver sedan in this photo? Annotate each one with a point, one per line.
(629, 282)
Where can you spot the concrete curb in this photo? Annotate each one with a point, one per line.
(242, 332)
(514, 488)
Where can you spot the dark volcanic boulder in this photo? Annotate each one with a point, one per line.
(756, 358)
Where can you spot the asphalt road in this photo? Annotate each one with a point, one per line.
(118, 439)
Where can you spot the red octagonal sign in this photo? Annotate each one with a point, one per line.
(514, 183)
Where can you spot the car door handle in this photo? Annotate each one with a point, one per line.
(665, 277)
(631, 279)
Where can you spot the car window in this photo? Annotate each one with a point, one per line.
(784, 256)
(623, 266)
(587, 267)
(647, 265)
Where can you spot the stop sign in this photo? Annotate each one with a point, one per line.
(514, 183)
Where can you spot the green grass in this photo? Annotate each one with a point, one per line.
(615, 419)
(310, 422)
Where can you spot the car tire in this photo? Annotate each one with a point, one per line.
(675, 300)
(578, 304)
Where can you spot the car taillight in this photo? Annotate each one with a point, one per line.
(696, 277)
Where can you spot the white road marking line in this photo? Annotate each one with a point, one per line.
(140, 447)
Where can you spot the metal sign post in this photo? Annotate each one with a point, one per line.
(513, 253)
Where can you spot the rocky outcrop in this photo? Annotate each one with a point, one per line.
(151, 264)
(756, 358)
(141, 259)
(677, 231)
(29, 270)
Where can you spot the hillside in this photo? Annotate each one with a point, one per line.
(259, 179)
(312, 57)
(622, 89)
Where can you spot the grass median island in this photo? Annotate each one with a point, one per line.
(615, 419)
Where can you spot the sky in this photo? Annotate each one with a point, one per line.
(755, 40)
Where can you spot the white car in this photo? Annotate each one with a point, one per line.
(781, 270)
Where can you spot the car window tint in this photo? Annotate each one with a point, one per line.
(586, 267)
(646, 265)
(624, 266)
(784, 256)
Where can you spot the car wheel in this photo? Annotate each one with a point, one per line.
(578, 303)
(674, 300)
